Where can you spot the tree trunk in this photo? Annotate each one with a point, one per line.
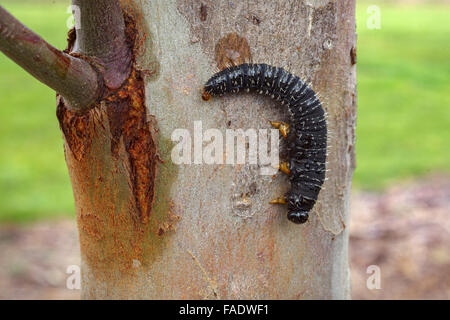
(198, 240)
(152, 229)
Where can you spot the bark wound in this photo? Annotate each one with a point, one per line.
(126, 114)
(76, 128)
(128, 120)
(203, 12)
(232, 50)
(353, 56)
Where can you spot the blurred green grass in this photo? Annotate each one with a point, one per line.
(403, 108)
(34, 183)
(403, 127)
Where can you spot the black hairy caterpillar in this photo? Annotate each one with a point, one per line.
(306, 135)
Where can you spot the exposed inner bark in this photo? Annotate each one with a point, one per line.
(111, 153)
(127, 119)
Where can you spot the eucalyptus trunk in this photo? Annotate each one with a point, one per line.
(153, 229)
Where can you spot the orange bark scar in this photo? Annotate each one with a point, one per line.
(127, 116)
(76, 128)
(128, 120)
(112, 155)
(129, 128)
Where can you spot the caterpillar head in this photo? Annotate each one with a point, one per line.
(206, 95)
(208, 89)
(298, 217)
(216, 86)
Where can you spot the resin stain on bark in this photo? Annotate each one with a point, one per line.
(126, 113)
(203, 12)
(232, 50)
(112, 155)
(76, 128)
(128, 121)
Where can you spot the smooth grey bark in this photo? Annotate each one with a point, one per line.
(225, 241)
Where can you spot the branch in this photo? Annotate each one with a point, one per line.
(101, 35)
(71, 77)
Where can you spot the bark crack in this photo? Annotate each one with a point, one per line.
(129, 130)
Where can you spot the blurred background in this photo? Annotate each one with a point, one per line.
(401, 191)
